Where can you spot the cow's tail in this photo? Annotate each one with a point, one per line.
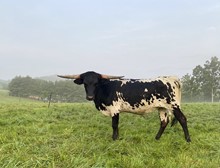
(174, 121)
(178, 84)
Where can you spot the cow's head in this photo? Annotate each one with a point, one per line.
(90, 80)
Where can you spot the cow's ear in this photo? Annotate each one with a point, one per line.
(78, 81)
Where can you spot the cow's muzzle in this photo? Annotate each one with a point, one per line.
(90, 98)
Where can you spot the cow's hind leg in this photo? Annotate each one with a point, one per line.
(164, 120)
(182, 120)
(115, 121)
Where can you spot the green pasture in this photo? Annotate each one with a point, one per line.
(77, 135)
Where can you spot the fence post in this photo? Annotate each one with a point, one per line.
(50, 97)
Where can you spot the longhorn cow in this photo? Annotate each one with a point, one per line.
(113, 94)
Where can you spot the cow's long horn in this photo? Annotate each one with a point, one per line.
(69, 76)
(111, 77)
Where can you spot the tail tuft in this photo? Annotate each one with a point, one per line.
(174, 121)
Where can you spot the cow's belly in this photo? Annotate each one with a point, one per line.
(144, 107)
(140, 108)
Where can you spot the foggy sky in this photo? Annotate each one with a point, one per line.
(134, 38)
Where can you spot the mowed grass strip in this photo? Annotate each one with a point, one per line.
(77, 135)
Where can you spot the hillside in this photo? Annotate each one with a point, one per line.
(5, 98)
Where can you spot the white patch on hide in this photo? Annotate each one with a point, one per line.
(145, 90)
(163, 115)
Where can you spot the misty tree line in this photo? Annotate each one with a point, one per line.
(202, 85)
(204, 82)
(59, 91)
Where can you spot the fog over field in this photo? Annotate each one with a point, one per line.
(137, 39)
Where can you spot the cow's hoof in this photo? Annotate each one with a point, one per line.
(188, 139)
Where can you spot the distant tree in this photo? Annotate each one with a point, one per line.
(211, 78)
(204, 83)
(59, 91)
(67, 91)
(17, 87)
(187, 91)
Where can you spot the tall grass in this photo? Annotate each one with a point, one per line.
(77, 135)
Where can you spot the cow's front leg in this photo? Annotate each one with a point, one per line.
(115, 121)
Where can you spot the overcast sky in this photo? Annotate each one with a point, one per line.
(134, 38)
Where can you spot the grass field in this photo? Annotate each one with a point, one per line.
(77, 135)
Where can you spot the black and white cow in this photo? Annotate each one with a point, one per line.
(112, 95)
